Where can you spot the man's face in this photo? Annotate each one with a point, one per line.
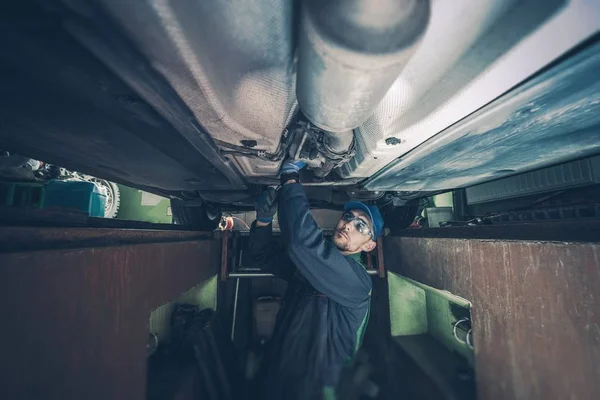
(348, 239)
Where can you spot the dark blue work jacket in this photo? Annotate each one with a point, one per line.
(325, 309)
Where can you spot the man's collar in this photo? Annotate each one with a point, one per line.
(356, 257)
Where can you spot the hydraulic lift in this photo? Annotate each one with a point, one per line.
(75, 302)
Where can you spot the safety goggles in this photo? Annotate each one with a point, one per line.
(361, 226)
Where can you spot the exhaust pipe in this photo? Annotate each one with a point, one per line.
(350, 53)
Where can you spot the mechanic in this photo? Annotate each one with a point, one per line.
(326, 306)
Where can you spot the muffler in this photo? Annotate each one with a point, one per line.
(350, 53)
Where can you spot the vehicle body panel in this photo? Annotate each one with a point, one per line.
(188, 98)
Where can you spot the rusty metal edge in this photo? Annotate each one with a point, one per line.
(380, 261)
(569, 231)
(224, 256)
(25, 238)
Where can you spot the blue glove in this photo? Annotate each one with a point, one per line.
(266, 205)
(290, 169)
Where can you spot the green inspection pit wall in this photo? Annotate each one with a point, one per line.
(418, 309)
(422, 321)
(203, 295)
(137, 205)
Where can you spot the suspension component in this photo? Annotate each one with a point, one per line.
(319, 150)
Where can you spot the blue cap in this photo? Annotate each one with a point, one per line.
(371, 211)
